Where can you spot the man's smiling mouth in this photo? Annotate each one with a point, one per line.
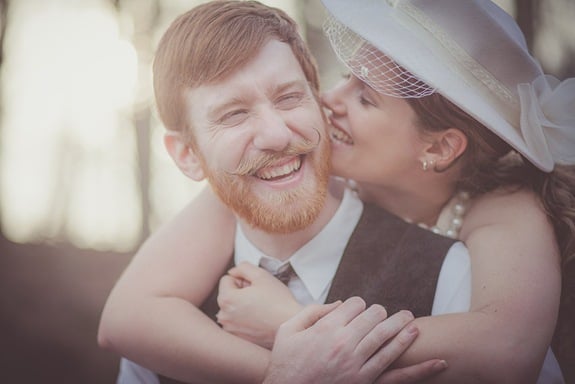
(277, 172)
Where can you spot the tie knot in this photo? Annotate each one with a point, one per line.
(283, 273)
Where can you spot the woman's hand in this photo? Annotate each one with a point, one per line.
(253, 304)
(345, 343)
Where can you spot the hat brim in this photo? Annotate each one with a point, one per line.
(407, 42)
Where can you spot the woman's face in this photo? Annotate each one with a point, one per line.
(374, 137)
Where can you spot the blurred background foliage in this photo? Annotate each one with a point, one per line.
(81, 154)
(84, 177)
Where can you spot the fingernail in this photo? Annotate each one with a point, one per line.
(407, 313)
(440, 365)
(411, 329)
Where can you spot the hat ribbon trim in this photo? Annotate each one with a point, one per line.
(461, 56)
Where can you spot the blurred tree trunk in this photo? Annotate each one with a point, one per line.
(533, 16)
(527, 11)
(145, 14)
(3, 22)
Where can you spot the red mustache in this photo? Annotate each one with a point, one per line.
(248, 167)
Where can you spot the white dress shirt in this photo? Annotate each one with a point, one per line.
(316, 262)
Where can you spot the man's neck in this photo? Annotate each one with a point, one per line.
(282, 246)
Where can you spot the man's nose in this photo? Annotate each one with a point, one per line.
(273, 132)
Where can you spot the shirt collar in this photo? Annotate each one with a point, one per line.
(316, 262)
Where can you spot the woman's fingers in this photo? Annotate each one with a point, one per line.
(228, 284)
(247, 271)
(414, 373)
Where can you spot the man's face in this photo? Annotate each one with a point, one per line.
(261, 141)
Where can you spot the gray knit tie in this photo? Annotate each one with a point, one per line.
(283, 273)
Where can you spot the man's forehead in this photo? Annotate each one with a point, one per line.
(273, 69)
(274, 59)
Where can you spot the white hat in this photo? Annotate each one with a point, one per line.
(471, 52)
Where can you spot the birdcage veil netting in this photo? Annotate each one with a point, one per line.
(372, 66)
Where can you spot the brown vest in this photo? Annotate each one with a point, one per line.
(387, 261)
(390, 262)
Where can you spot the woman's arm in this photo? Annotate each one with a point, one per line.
(152, 315)
(515, 297)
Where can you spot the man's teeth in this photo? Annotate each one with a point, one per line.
(281, 171)
(339, 135)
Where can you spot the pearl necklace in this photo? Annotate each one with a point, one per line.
(451, 217)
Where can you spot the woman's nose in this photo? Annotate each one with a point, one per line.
(333, 100)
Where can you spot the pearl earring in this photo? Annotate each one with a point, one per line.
(425, 164)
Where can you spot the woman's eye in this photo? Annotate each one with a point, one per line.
(364, 101)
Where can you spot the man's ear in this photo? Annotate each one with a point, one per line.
(447, 146)
(183, 155)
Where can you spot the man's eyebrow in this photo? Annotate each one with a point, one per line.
(279, 88)
(215, 112)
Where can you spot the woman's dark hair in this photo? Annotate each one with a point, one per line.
(489, 163)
